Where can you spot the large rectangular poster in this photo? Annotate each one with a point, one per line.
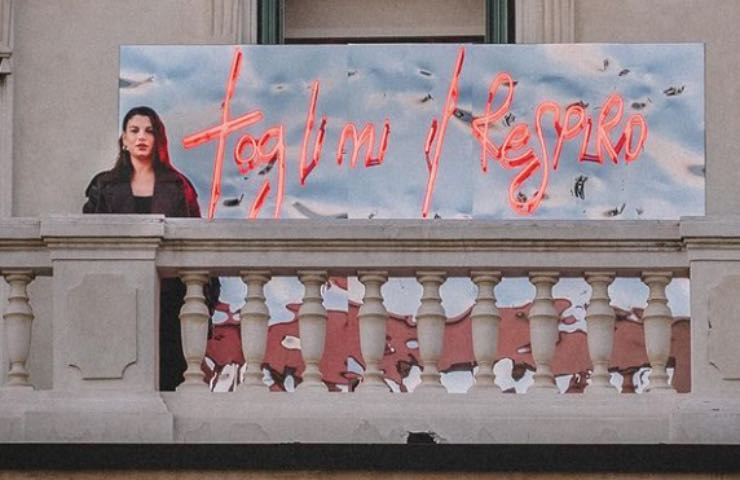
(431, 131)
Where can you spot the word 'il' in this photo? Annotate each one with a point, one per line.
(514, 152)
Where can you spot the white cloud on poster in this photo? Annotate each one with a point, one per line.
(678, 161)
(581, 59)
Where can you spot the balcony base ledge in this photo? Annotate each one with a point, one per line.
(84, 417)
(371, 418)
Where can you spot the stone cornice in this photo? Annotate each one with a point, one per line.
(456, 246)
(422, 230)
(118, 228)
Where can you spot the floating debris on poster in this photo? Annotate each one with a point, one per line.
(233, 202)
(426, 98)
(426, 73)
(639, 211)
(463, 115)
(268, 167)
(309, 213)
(130, 84)
(509, 119)
(579, 187)
(606, 65)
(579, 103)
(638, 105)
(615, 211)
(624, 72)
(673, 91)
(352, 73)
(698, 170)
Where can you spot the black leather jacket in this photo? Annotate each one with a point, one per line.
(174, 195)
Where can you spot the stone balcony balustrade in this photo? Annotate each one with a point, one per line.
(104, 274)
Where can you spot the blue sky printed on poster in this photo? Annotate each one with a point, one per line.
(408, 86)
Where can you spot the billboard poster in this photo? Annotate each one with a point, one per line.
(412, 131)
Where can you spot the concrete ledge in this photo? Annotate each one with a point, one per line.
(20, 228)
(725, 226)
(21, 245)
(443, 418)
(404, 246)
(335, 418)
(91, 417)
(102, 226)
(381, 229)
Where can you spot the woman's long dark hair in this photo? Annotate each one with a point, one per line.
(123, 169)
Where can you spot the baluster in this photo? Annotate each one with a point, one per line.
(430, 328)
(485, 319)
(657, 320)
(18, 320)
(254, 318)
(372, 317)
(600, 318)
(194, 322)
(543, 329)
(312, 318)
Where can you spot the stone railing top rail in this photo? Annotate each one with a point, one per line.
(226, 246)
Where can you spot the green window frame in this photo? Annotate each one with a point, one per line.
(270, 22)
(499, 21)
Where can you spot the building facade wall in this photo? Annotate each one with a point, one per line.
(65, 95)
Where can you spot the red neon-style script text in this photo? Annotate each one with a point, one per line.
(222, 130)
(574, 122)
(514, 152)
(448, 111)
(256, 148)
